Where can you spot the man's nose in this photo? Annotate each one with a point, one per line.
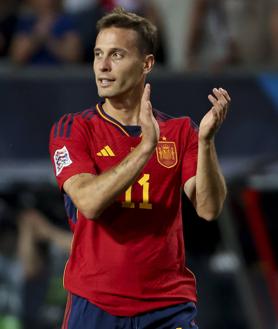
(105, 65)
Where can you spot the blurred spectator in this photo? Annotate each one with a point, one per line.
(73, 6)
(211, 43)
(273, 28)
(85, 16)
(33, 248)
(148, 9)
(251, 32)
(45, 35)
(39, 219)
(8, 19)
(228, 33)
(35, 231)
(88, 12)
(11, 277)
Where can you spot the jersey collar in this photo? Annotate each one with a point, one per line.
(113, 121)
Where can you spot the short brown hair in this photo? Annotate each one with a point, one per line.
(146, 31)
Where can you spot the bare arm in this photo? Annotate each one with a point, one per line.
(27, 249)
(33, 228)
(92, 194)
(207, 190)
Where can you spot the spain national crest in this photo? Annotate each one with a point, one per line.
(166, 154)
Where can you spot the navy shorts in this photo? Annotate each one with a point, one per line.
(81, 314)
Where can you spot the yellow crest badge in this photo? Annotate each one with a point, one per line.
(166, 154)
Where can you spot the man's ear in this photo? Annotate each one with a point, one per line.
(148, 63)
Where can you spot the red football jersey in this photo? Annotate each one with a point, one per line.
(131, 259)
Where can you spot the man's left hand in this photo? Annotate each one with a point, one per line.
(214, 118)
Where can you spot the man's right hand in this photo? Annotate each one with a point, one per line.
(149, 125)
(92, 194)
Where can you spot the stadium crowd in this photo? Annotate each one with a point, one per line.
(215, 35)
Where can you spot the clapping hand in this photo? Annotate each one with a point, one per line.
(214, 118)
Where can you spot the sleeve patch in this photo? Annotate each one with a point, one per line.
(61, 159)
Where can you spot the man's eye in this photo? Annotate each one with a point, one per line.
(117, 55)
(97, 54)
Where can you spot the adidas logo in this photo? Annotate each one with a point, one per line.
(106, 152)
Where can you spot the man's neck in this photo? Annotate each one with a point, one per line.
(125, 111)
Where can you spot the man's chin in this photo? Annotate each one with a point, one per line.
(105, 93)
(110, 93)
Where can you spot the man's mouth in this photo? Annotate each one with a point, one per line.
(104, 82)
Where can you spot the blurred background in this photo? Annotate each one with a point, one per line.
(46, 71)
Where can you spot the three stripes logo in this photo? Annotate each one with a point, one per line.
(106, 152)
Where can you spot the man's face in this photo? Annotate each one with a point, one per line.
(118, 64)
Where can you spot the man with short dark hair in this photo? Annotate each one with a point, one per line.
(121, 166)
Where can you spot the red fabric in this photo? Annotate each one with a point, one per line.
(108, 5)
(78, 146)
(189, 163)
(131, 260)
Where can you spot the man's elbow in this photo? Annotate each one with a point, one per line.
(88, 210)
(89, 214)
(210, 214)
(211, 209)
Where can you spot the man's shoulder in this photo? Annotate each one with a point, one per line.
(179, 120)
(69, 122)
(85, 115)
(162, 116)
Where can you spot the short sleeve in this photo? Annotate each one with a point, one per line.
(70, 149)
(190, 153)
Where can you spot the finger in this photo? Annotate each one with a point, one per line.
(220, 96)
(225, 93)
(217, 107)
(216, 99)
(146, 113)
(221, 106)
(227, 103)
(217, 93)
(222, 100)
(212, 99)
(222, 114)
(149, 107)
(223, 110)
(147, 92)
(146, 106)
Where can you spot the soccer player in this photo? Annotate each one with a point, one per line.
(121, 167)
